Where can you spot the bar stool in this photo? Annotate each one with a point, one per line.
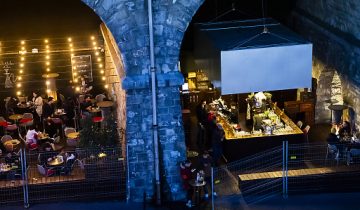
(98, 121)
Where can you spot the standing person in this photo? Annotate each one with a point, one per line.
(217, 138)
(206, 162)
(201, 114)
(186, 176)
(48, 111)
(38, 108)
(85, 106)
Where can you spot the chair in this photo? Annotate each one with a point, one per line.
(6, 138)
(306, 132)
(332, 150)
(45, 172)
(67, 169)
(11, 128)
(8, 147)
(27, 120)
(68, 130)
(69, 141)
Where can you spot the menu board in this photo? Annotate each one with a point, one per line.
(81, 67)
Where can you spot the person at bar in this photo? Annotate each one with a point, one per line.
(201, 114)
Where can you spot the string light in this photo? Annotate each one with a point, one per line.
(69, 39)
(77, 89)
(18, 93)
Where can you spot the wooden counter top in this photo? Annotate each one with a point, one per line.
(230, 133)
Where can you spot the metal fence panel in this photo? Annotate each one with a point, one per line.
(248, 181)
(45, 177)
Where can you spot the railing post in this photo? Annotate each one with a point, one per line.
(212, 188)
(127, 174)
(24, 177)
(285, 169)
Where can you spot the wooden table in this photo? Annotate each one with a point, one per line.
(56, 161)
(95, 110)
(105, 104)
(73, 135)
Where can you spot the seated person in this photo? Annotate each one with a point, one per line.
(69, 161)
(345, 129)
(333, 138)
(48, 154)
(31, 138)
(85, 106)
(12, 159)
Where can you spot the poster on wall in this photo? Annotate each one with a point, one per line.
(82, 68)
(7, 66)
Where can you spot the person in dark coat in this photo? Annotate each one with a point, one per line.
(334, 143)
(186, 173)
(345, 129)
(206, 163)
(201, 114)
(218, 136)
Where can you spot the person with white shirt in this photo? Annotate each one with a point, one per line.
(38, 107)
(31, 138)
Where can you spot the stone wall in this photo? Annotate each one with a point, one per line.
(331, 27)
(128, 22)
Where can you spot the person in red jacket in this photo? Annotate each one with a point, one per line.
(186, 175)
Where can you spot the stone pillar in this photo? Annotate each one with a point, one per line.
(127, 20)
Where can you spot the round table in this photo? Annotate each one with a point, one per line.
(197, 190)
(338, 107)
(331, 101)
(73, 135)
(105, 104)
(12, 144)
(15, 117)
(58, 160)
(95, 110)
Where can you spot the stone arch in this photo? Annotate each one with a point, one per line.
(128, 22)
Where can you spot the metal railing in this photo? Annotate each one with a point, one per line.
(80, 174)
(287, 169)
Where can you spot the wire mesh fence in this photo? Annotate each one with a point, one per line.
(11, 179)
(247, 180)
(291, 168)
(80, 174)
(323, 167)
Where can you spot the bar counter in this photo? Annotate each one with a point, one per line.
(241, 144)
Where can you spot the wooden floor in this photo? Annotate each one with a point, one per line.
(35, 178)
(297, 173)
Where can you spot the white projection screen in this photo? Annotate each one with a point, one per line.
(266, 69)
